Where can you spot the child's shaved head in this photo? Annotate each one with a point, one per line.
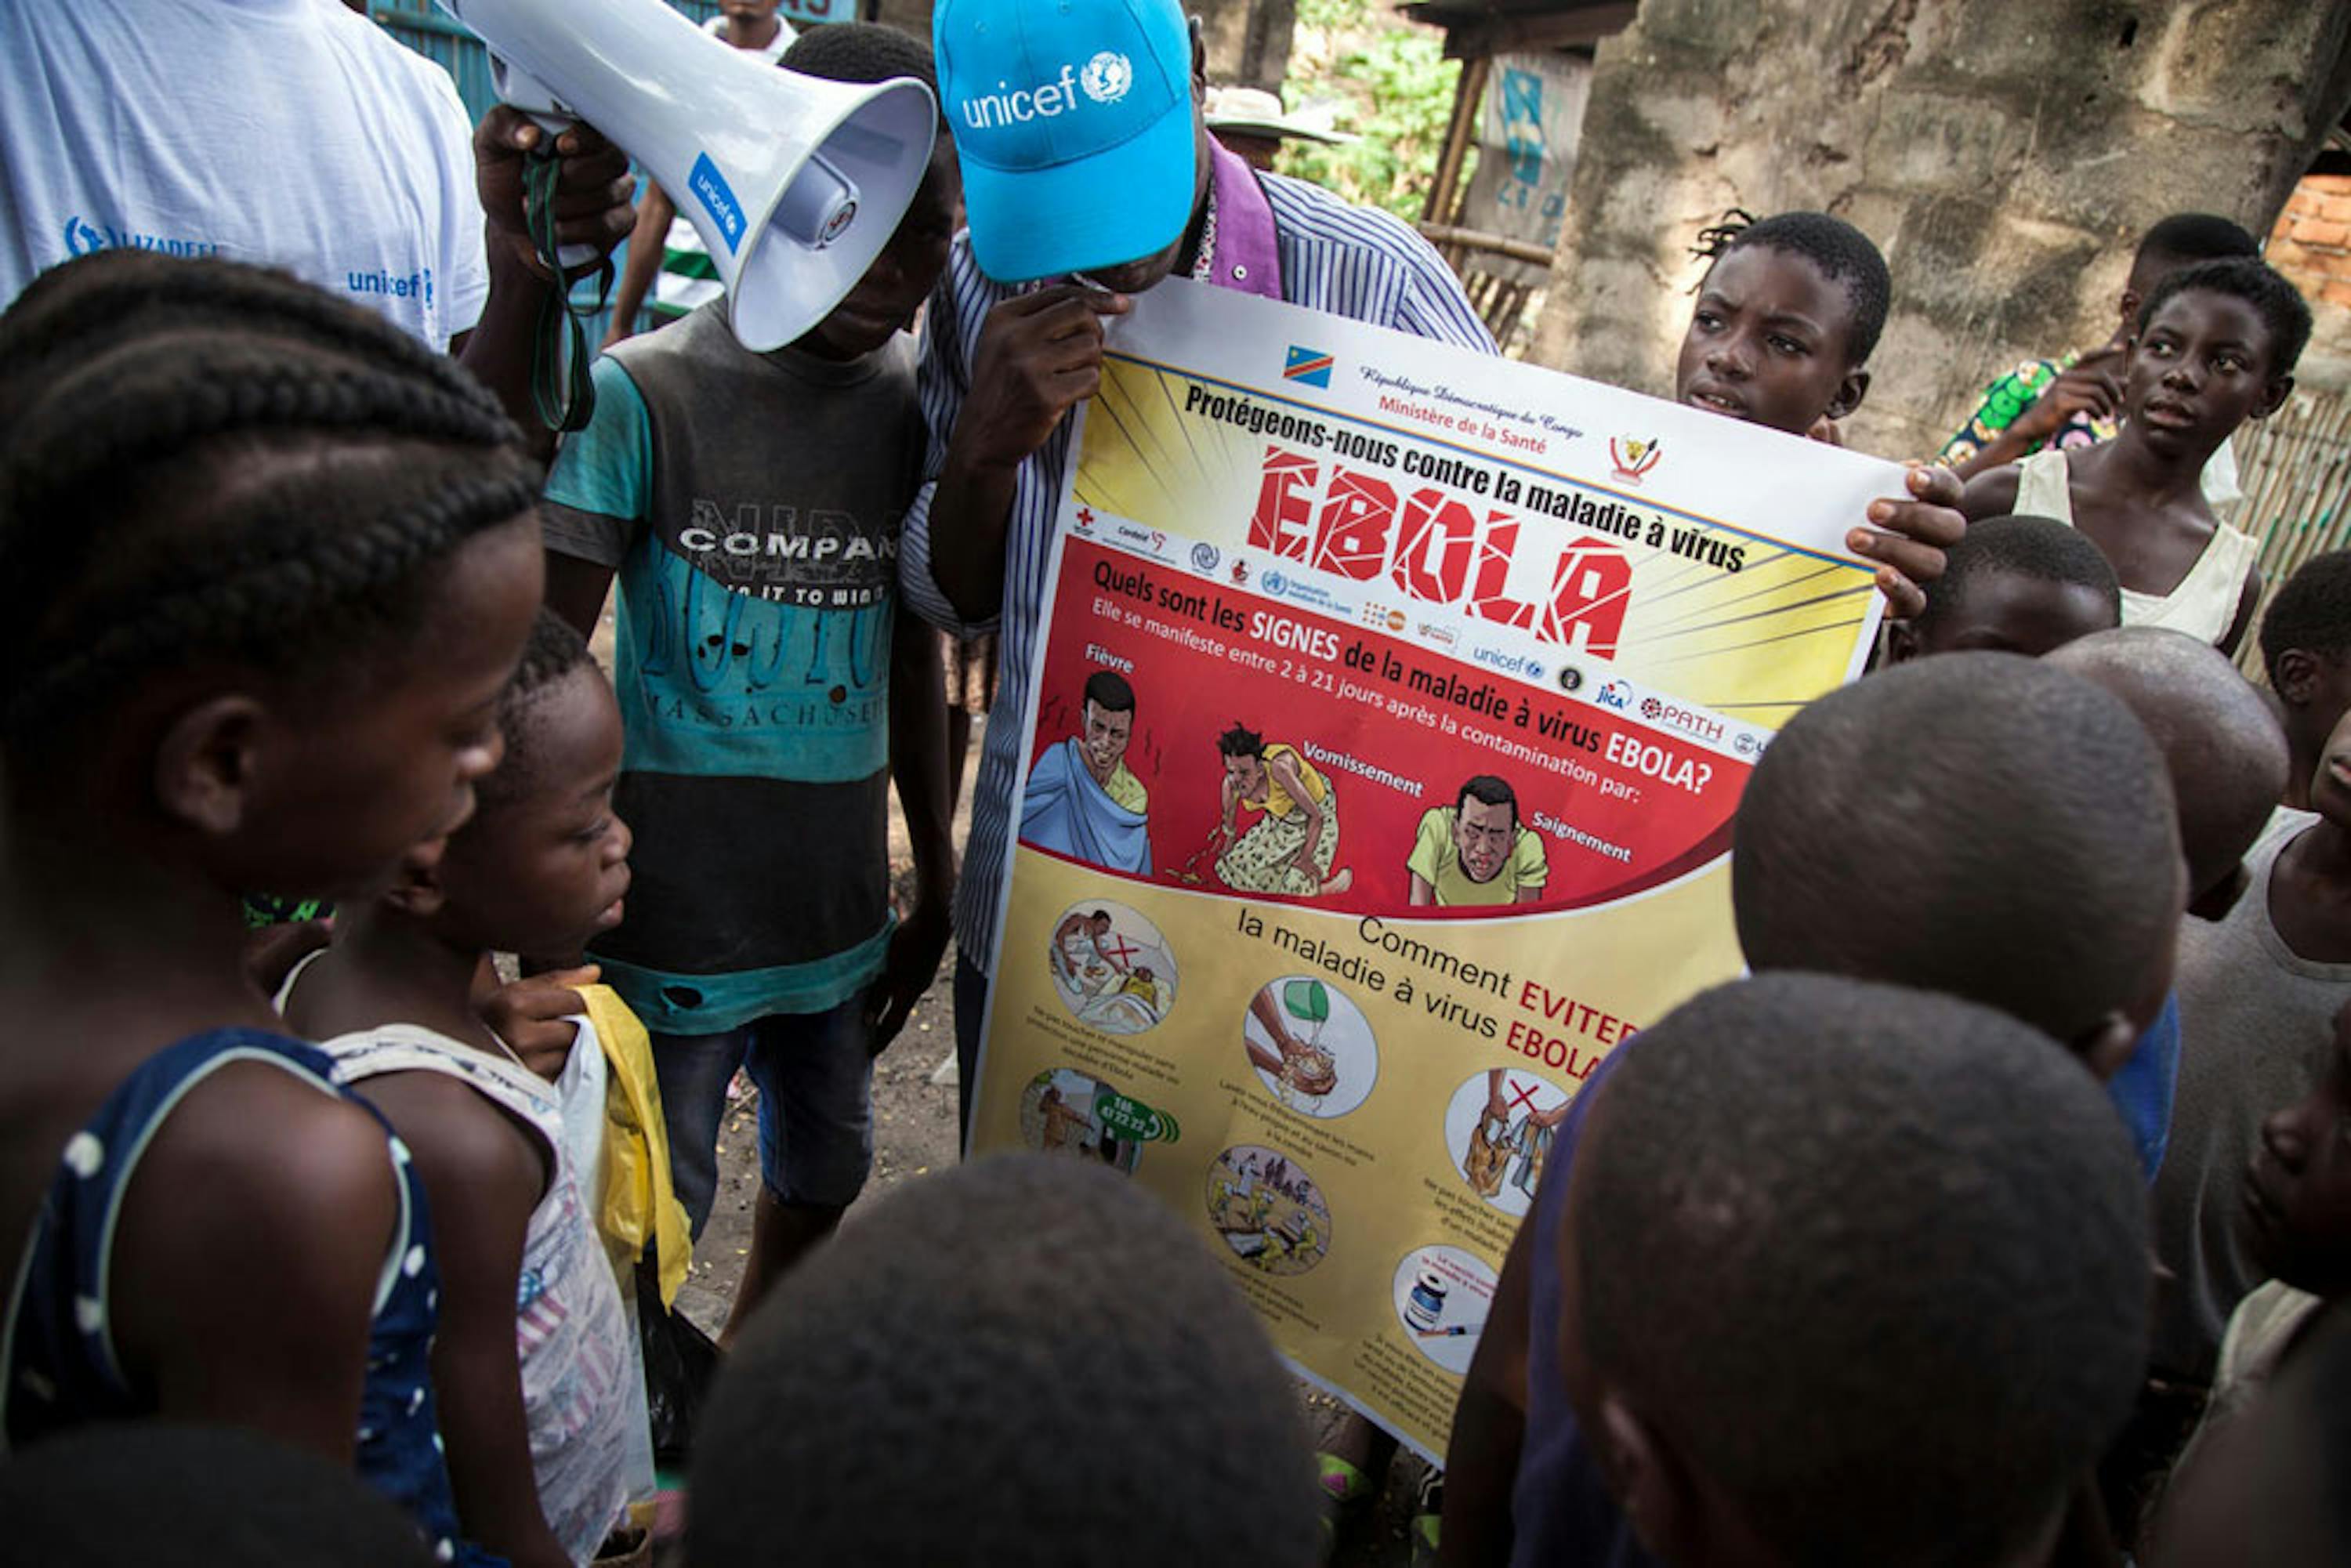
(1979, 824)
(2224, 746)
(1863, 1267)
(1001, 1364)
(2015, 585)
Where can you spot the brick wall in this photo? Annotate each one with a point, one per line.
(2311, 246)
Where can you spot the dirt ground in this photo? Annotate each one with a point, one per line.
(915, 1135)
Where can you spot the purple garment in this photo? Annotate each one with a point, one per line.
(1560, 1509)
(1245, 256)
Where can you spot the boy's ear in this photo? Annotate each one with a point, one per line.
(2297, 674)
(2106, 1045)
(1901, 642)
(1648, 1480)
(1199, 59)
(416, 889)
(204, 763)
(2273, 398)
(1849, 393)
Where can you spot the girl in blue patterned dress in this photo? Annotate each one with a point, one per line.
(274, 562)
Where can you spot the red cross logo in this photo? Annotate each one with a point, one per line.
(1085, 516)
(1114, 948)
(1521, 1093)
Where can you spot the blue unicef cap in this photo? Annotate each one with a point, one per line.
(1073, 121)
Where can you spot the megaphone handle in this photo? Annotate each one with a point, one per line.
(570, 257)
(528, 93)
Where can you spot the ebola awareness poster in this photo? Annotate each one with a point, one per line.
(1385, 735)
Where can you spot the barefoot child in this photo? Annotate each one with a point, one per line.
(533, 1377)
(266, 653)
(2217, 345)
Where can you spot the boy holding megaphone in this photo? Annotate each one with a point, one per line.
(748, 505)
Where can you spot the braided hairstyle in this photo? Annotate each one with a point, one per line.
(1846, 256)
(202, 461)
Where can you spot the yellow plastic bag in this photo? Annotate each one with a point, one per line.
(637, 1206)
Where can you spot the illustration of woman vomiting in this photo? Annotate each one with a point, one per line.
(1294, 842)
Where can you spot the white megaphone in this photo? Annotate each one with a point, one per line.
(795, 182)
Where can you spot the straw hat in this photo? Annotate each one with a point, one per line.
(1253, 112)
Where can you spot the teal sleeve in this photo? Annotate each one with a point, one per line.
(600, 492)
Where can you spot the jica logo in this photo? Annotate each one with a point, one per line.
(1617, 694)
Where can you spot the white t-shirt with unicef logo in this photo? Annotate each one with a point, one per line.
(292, 132)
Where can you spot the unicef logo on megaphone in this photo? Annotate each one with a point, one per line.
(1107, 77)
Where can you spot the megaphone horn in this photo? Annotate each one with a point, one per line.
(795, 182)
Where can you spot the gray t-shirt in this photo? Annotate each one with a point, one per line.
(750, 505)
(2255, 1020)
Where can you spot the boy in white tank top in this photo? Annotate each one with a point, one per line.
(2217, 345)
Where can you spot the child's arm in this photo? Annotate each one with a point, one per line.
(2091, 385)
(576, 587)
(918, 767)
(482, 1177)
(1481, 1461)
(246, 1256)
(1991, 494)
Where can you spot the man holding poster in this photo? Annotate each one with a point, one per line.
(1080, 124)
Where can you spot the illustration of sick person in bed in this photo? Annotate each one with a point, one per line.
(1293, 844)
(1112, 968)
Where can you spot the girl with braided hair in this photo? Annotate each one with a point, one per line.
(276, 562)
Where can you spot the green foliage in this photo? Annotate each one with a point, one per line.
(1400, 86)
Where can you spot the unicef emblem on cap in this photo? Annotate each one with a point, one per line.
(1107, 77)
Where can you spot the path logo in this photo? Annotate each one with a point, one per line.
(1309, 367)
(1633, 458)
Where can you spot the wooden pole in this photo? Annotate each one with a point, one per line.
(1443, 204)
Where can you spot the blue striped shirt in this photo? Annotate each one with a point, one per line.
(1349, 261)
